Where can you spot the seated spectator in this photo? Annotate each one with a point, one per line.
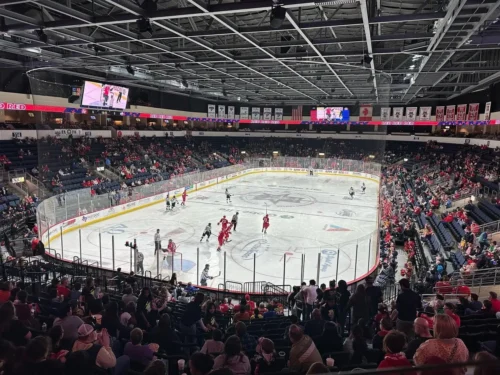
(495, 302)
(137, 352)
(356, 344)
(422, 334)
(200, 364)
(385, 328)
(213, 345)
(111, 321)
(250, 303)
(394, 343)
(303, 352)
(474, 305)
(256, 315)
(330, 311)
(444, 345)
(75, 292)
(63, 290)
(449, 309)
(262, 308)
(317, 369)
(157, 367)
(56, 334)
(127, 317)
(5, 288)
(209, 318)
(12, 329)
(242, 314)
(97, 346)
(23, 311)
(247, 342)
(330, 340)
(314, 327)
(225, 306)
(490, 366)
(266, 359)
(129, 296)
(233, 358)
(69, 323)
(36, 359)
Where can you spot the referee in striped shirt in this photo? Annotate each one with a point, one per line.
(204, 275)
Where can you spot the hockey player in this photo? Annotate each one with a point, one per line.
(139, 257)
(227, 233)
(173, 202)
(204, 276)
(157, 241)
(363, 187)
(228, 196)
(184, 196)
(207, 232)
(170, 251)
(224, 222)
(234, 220)
(167, 202)
(351, 192)
(220, 239)
(311, 172)
(265, 224)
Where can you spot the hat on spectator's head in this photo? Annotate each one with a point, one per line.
(85, 330)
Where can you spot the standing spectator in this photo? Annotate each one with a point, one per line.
(233, 358)
(342, 302)
(303, 352)
(356, 344)
(422, 334)
(444, 345)
(63, 289)
(359, 304)
(495, 303)
(330, 311)
(192, 318)
(165, 336)
(394, 343)
(407, 303)
(315, 326)
(374, 295)
(248, 342)
(310, 296)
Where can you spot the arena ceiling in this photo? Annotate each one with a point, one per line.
(326, 51)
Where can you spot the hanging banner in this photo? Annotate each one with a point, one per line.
(461, 112)
(385, 113)
(473, 112)
(425, 113)
(268, 114)
(278, 114)
(440, 113)
(450, 113)
(411, 113)
(211, 111)
(221, 111)
(243, 113)
(487, 111)
(397, 113)
(230, 112)
(365, 112)
(255, 113)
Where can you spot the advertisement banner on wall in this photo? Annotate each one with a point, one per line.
(487, 111)
(365, 112)
(440, 113)
(473, 112)
(425, 113)
(244, 113)
(221, 111)
(385, 113)
(461, 112)
(411, 113)
(450, 113)
(397, 113)
(211, 111)
(278, 114)
(255, 113)
(268, 114)
(230, 112)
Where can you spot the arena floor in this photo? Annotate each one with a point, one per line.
(308, 215)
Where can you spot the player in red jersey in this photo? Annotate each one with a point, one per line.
(224, 222)
(220, 238)
(184, 196)
(265, 224)
(227, 233)
(170, 251)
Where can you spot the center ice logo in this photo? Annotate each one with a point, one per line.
(257, 247)
(286, 199)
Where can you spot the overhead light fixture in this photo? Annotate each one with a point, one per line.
(144, 27)
(243, 152)
(416, 57)
(412, 67)
(371, 156)
(405, 159)
(42, 36)
(130, 70)
(277, 17)
(334, 2)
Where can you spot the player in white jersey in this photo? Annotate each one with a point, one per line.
(173, 202)
(228, 196)
(363, 187)
(167, 202)
(207, 232)
(351, 192)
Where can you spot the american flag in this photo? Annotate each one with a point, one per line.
(297, 113)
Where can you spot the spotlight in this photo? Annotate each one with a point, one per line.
(332, 90)
(130, 70)
(144, 27)
(367, 59)
(42, 36)
(277, 17)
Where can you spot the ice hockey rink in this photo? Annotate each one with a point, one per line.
(309, 215)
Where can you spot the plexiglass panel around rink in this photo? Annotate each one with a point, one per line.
(317, 229)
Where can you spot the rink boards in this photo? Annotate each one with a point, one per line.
(78, 222)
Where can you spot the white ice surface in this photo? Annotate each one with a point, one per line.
(308, 215)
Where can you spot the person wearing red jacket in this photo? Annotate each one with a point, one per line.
(449, 218)
(224, 222)
(184, 196)
(394, 342)
(170, 251)
(265, 224)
